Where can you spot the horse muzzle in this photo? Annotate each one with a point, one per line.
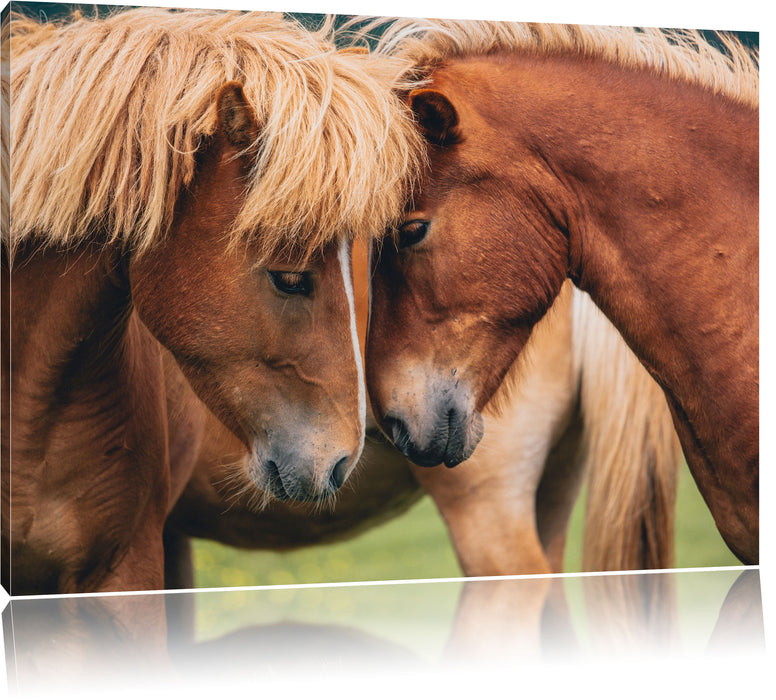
(291, 476)
(446, 433)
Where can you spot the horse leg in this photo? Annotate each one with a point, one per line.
(558, 491)
(142, 567)
(187, 421)
(489, 501)
(487, 506)
(178, 565)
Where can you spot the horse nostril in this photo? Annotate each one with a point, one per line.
(464, 432)
(339, 473)
(396, 429)
(275, 481)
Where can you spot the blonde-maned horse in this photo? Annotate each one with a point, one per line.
(578, 406)
(186, 187)
(623, 160)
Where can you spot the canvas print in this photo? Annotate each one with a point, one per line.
(303, 298)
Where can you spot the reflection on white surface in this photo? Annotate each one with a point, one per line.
(458, 634)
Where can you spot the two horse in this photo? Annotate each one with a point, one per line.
(623, 160)
(579, 409)
(183, 305)
(507, 507)
(166, 270)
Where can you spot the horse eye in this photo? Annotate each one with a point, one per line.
(412, 232)
(291, 282)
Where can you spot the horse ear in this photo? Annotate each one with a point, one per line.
(236, 118)
(436, 116)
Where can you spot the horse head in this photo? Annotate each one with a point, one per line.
(451, 304)
(270, 348)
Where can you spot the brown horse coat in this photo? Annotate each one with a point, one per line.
(625, 161)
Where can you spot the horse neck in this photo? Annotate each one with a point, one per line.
(659, 182)
(73, 336)
(88, 438)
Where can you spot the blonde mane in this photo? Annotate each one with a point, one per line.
(5, 160)
(107, 116)
(675, 54)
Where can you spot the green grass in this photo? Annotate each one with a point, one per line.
(416, 545)
(698, 543)
(412, 546)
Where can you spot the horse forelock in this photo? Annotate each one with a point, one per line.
(683, 55)
(108, 114)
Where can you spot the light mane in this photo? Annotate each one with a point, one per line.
(682, 55)
(108, 114)
(5, 160)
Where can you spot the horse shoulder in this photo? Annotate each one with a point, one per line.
(89, 455)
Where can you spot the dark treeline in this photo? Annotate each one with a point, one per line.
(59, 11)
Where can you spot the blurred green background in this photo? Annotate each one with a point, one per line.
(416, 546)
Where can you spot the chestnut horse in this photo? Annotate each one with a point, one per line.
(623, 160)
(581, 408)
(165, 266)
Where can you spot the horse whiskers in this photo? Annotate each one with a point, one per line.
(238, 490)
(258, 500)
(236, 486)
(326, 504)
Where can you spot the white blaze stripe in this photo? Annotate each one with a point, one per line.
(347, 278)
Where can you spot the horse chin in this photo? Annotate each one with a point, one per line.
(450, 437)
(475, 428)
